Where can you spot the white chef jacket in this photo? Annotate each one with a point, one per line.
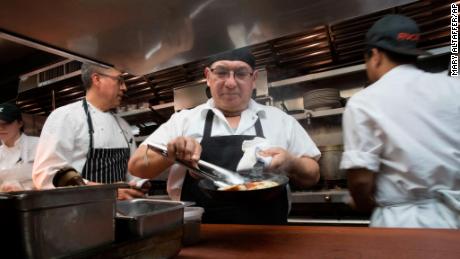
(64, 140)
(16, 162)
(406, 128)
(279, 128)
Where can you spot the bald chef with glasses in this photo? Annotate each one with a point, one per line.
(86, 138)
(215, 132)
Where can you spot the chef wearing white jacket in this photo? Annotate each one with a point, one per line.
(87, 137)
(17, 151)
(402, 135)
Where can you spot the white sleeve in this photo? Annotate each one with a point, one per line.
(362, 139)
(19, 175)
(167, 131)
(54, 150)
(300, 143)
(30, 149)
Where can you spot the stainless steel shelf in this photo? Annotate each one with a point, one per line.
(328, 196)
(144, 110)
(316, 114)
(140, 138)
(320, 75)
(437, 51)
(133, 112)
(343, 70)
(163, 106)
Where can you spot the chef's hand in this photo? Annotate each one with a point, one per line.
(281, 158)
(143, 185)
(11, 186)
(126, 194)
(186, 149)
(303, 171)
(138, 190)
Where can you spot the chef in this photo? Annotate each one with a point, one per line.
(215, 132)
(17, 151)
(402, 135)
(86, 137)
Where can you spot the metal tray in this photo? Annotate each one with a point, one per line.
(145, 217)
(57, 222)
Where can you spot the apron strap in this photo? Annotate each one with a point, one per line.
(91, 128)
(122, 132)
(90, 123)
(208, 124)
(210, 117)
(259, 130)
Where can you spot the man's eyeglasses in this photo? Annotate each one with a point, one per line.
(239, 74)
(119, 79)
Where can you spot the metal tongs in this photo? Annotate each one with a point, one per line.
(220, 176)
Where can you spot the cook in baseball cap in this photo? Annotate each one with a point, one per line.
(9, 112)
(395, 33)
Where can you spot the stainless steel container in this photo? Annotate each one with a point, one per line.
(144, 217)
(330, 161)
(192, 225)
(58, 222)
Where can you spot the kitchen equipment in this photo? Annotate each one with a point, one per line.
(145, 217)
(192, 225)
(211, 190)
(57, 222)
(190, 96)
(320, 99)
(220, 176)
(329, 163)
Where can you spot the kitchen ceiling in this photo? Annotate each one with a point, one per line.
(17, 59)
(314, 49)
(144, 36)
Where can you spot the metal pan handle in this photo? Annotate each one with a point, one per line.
(162, 150)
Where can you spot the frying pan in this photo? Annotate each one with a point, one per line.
(251, 196)
(211, 182)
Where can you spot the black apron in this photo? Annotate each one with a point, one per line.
(105, 165)
(225, 151)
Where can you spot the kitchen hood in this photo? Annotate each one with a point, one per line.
(144, 36)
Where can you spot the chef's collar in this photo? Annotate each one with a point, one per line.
(17, 143)
(94, 109)
(253, 107)
(394, 72)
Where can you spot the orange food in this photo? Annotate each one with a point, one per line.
(248, 186)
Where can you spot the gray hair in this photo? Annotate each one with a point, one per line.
(87, 69)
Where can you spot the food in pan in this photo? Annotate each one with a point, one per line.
(249, 186)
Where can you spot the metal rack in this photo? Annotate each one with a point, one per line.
(145, 110)
(360, 68)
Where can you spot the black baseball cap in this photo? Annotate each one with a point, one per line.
(9, 112)
(241, 54)
(395, 33)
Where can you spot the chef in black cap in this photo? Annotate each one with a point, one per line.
(402, 134)
(17, 151)
(215, 132)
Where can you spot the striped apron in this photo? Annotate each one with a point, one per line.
(104, 165)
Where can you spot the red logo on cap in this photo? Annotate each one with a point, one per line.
(408, 36)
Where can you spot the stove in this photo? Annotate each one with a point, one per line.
(324, 207)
